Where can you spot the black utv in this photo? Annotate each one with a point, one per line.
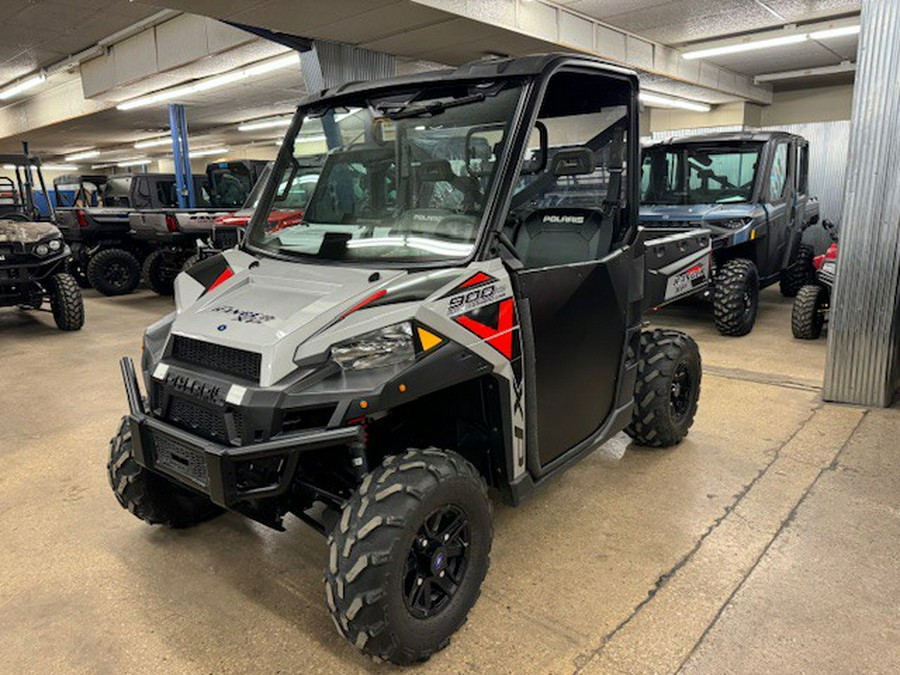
(33, 255)
(751, 190)
(457, 310)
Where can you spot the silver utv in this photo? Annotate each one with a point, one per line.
(458, 310)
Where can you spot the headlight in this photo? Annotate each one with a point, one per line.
(55, 244)
(42, 249)
(388, 346)
(733, 224)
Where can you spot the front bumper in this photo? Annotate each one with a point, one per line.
(225, 473)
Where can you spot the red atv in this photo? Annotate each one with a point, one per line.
(813, 301)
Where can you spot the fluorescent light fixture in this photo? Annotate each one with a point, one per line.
(166, 95)
(134, 162)
(652, 99)
(845, 67)
(24, 85)
(152, 143)
(265, 124)
(59, 167)
(753, 45)
(310, 139)
(746, 46)
(206, 152)
(834, 32)
(85, 154)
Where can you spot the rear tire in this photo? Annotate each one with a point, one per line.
(808, 312)
(407, 558)
(667, 389)
(114, 271)
(148, 496)
(800, 272)
(66, 301)
(736, 297)
(157, 276)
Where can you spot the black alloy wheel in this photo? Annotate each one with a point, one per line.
(437, 562)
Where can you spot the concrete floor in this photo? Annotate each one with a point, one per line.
(766, 542)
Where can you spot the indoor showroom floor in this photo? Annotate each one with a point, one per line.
(766, 542)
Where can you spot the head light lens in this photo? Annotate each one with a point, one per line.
(388, 346)
(42, 249)
(55, 244)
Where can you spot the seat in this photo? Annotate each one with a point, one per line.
(562, 236)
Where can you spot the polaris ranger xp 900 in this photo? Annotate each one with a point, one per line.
(457, 310)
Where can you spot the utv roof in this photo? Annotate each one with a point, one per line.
(729, 137)
(72, 178)
(20, 160)
(474, 70)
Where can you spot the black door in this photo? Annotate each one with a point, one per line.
(578, 327)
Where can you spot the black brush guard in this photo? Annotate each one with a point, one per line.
(212, 468)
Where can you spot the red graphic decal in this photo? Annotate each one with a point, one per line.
(225, 276)
(501, 337)
(479, 278)
(360, 305)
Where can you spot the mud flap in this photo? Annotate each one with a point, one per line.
(676, 264)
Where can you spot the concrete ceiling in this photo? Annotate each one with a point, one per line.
(676, 22)
(36, 33)
(692, 24)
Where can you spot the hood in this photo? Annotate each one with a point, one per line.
(26, 232)
(273, 306)
(654, 213)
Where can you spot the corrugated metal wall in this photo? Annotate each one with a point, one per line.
(862, 344)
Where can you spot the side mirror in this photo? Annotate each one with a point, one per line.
(573, 162)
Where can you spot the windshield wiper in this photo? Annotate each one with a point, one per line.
(435, 108)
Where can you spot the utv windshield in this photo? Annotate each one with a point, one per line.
(699, 174)
(405, 177)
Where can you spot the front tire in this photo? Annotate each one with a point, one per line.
(157, 276)
(736, 297)
(66, 301)
(407, 558)
(667, 389)
(799, 273)
(148, 496)
(808, 312)
(114, 271)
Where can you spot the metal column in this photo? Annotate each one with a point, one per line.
(182, 154)
(862, 364)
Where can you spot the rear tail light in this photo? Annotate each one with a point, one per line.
(79, 216)
(171, 223)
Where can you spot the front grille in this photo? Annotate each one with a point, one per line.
(237, 362)
(180, 458)
(189, 416)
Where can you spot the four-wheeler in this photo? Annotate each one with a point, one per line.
(458, 310)
(33, 254)
(812, 306)
(751, 191)
(176, 233)
(105, 254)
